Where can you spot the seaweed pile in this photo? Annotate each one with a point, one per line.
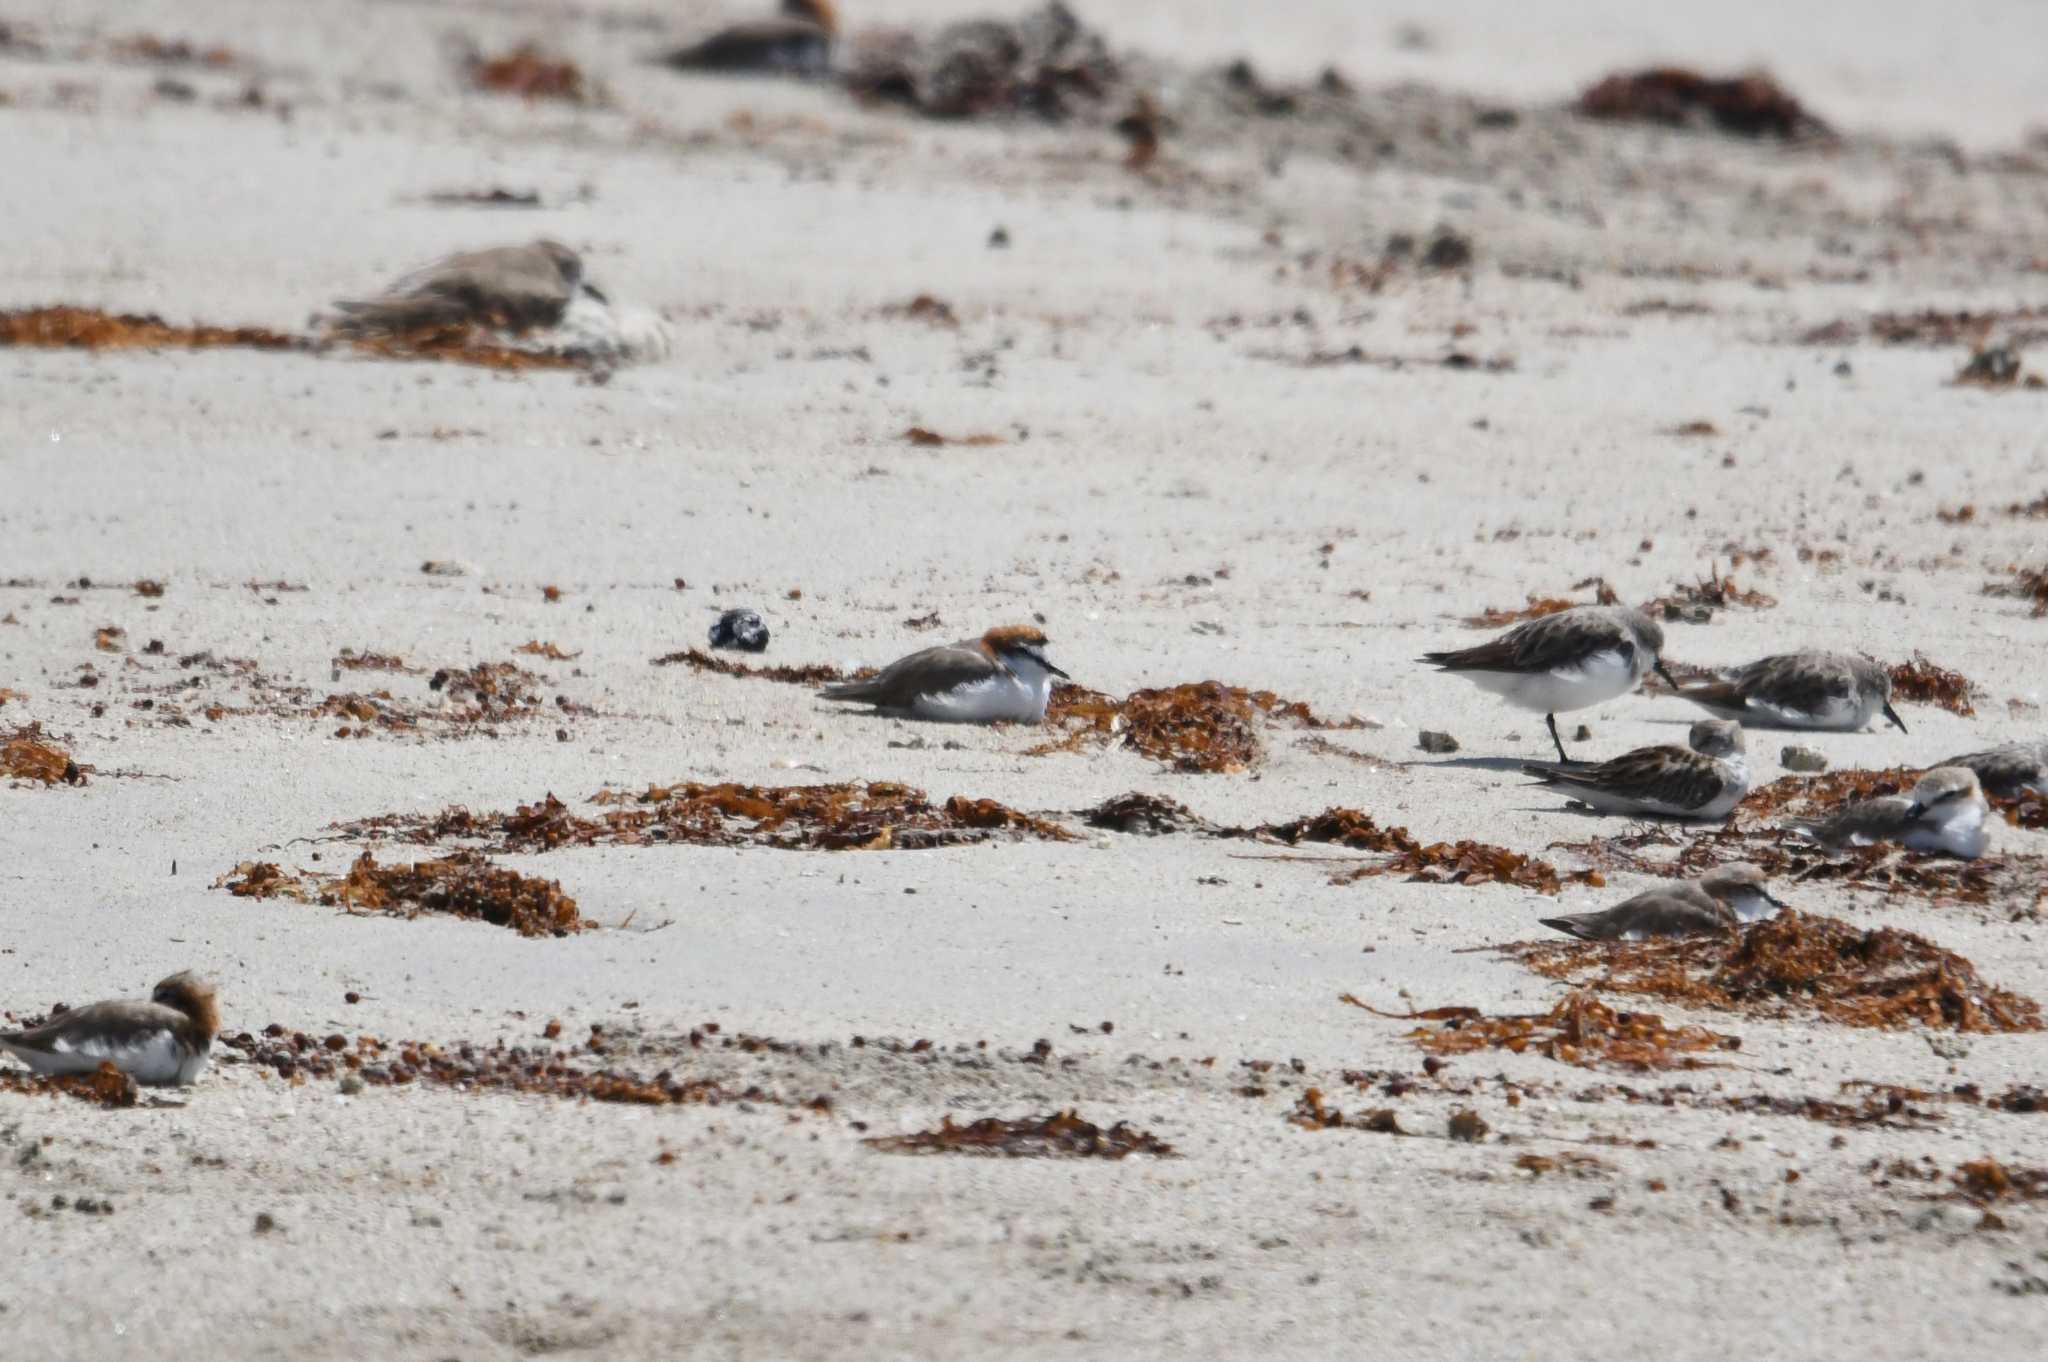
(462, 884)
(1580, 1030)
(27, 753)
(850, 816)
(1202, 727)
(1061, 1135)
(1796, 964)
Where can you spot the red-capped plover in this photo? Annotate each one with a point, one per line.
(796, 43)
(519, 287)
(1945, 812)
(1003, 676)
(1583, 656)
(1705, 780)
(1802, 690)
(164, 1040)
(2016, 768)
(1719, 901)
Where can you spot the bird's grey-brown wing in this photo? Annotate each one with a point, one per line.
(1671, 910)
(1673, 776)
(2006, 770)
(921, 673)
(1543, 644)
(780, 46)
(1864, 820)
(98, 1028)
(1795, 681)
(513, 285)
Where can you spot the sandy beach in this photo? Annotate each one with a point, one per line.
(1343, 365)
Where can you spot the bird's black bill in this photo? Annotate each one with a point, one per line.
(597, 293)
(1775, 901)
(1664, 672)
(1914, 810)
(1057, 672)
(1891, 716)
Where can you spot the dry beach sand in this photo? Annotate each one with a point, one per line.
(1235, 436)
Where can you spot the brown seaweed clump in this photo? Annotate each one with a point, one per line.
(1695, 602)
(816, 674)
(1920, 682)
(106, 1086)
(873, 816)
(2026, 584)
(1797, 963)
(1469, 862)
(1580, 1030)
(26, 754)
(462, 884)
(1203, 727)
(1494, 617)
(89, 328)
(1061, 1135)
(530, 74)
(1311, 1112)
(461, 342)
(1987, 1180)
(1749, 106)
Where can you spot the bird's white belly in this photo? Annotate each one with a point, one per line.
(999, 699)
(1962, 835)
(1838, 714)
(158, 1058)
(1596, 680)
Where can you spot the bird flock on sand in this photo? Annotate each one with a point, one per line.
(1551, 665)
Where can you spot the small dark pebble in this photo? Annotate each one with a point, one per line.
(741, 630)
(1430, 741)
(1583, 734)
(265, 1222)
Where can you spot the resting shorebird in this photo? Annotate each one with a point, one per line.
(1000, 677)
(2016, 768)
(1719, 901)
(1802, 690)
(797, 43)
(1944, 812)
(1583, 656)
(1703, 781)
(516, 287)
(164, 1040)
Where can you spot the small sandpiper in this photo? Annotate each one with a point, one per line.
(1837, 691)
(1945, 812)
(1573, 659)
(1719, 901)
(1706, 780)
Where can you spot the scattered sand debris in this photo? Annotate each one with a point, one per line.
(876, 816)
(1495, 617)
(1693, 429)
(1696, 602)
(147, 47)
(2037, 509)
(1461, 862)
(1312, 1113)
(1751, 105)
(2026, 584)
(529, 73)
(925, 307)
(816, 674)
(462, 884)
(1996, 366)
(1042, 65)
(26, 754)
(1579, 1030)
(542, 1070)
(1986, 1180)
(1797, 963)
(1199, 726)
(1061, 1135)
(550, 651)
(1565, 1161)
(926, 438)
(1467, 1125)
(87, 328)
(1931, 327)
(106, 1086)
(1920, 682)
(348, 659)
(1146, 815)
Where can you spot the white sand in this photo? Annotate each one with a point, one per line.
(1146, 442)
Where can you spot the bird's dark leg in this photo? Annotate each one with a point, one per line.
(1551, 719)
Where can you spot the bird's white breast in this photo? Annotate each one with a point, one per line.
(1594, 679)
